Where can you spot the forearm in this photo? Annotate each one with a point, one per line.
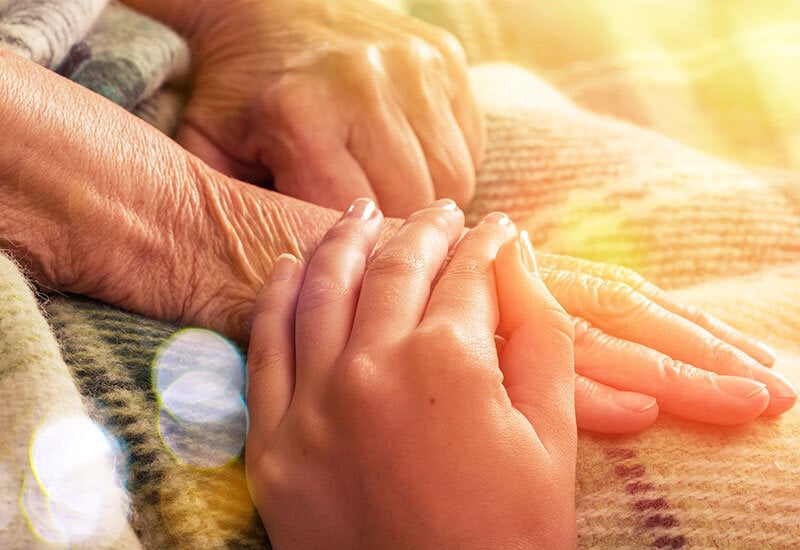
(96, 202)
(72, 195)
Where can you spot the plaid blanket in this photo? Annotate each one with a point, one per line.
(608, 139)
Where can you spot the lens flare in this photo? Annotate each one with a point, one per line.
(76, 493)
(199, 377)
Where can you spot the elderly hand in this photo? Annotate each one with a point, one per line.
(635, 342)
(380, 413)
(113, 209)
(336, 100)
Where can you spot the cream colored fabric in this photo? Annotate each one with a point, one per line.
(720, 235)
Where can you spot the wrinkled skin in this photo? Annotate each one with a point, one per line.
(335, 100)
(113, 209)
(409, 431)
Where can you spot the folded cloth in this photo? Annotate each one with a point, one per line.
(128, 58)
(47, 430)
(722, 236)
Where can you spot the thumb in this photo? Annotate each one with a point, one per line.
(270, 356)
(537, 360)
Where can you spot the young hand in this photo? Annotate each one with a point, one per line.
(380, 414)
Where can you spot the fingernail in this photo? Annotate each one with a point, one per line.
(767, 355)
(635, 402)
(362, 209)
(783, 387)
(739, 387)
(444, 204)
(284, 268)
(528, 258)
(495, 217)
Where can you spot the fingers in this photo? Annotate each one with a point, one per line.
(465, 294)
(681, 389)
(620, 311)
(537, 358)
(391, 156)
(191, 138)
(326, 176)
(449, 159)
(305, 146)
(327, 302)
(600, 408)
(270, 356)
(470, 119)
(755, 349)
(442, 49)
(397, 283)
(752, 347)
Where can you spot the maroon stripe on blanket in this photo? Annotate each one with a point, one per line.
(651, 507)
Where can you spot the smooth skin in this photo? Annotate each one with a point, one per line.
(342, 99)
(381, 414)
(113, 209)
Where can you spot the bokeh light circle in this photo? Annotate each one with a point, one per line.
(76, 494)
(200, 378)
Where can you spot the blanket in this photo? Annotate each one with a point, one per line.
(658, 135)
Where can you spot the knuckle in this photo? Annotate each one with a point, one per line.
(618, 299)
(402, 263)
(280, 101)
(435, 221)
(469, 268)
(467, 352)
(420, 52)
(347, 236)
(626, 275)
(696, 315)
(444, 336)
(362, 396)
(358, 382)
(588, 339)
(321, 291)
(367, 61)
(718, 354)
(262, 358)
(463, 188)
(450, 46)
(674, 372)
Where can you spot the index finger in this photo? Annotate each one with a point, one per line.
(752, 347)
(621, 311)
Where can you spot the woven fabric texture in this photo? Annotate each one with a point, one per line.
(636, 133)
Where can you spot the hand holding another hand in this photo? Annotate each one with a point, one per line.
(380, 413)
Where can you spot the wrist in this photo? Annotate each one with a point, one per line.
(244, 228)
(247, 228)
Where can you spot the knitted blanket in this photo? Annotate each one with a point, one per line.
(607, 140)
